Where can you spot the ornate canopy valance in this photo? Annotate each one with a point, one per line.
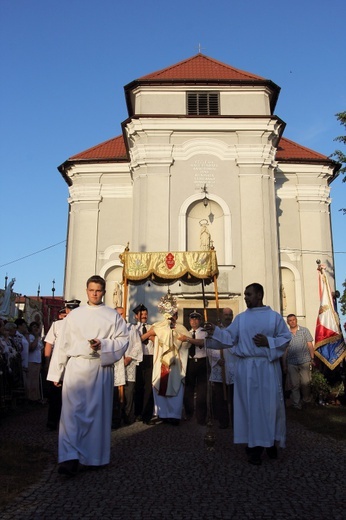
(164, 268)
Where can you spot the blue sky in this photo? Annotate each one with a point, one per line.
(64, 64)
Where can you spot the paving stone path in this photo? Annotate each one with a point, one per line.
(166, 472)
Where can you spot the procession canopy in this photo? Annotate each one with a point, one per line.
(164, 268)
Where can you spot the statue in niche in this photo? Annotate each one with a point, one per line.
(283, 298)
(204, 236)
(117, 295)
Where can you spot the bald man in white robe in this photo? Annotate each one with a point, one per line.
(258, 337)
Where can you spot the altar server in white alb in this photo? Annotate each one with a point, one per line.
(258, 337)
(92, 339)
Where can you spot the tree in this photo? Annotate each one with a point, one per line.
(339, 155)
(342, 300)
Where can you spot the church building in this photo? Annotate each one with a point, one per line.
(201, 164)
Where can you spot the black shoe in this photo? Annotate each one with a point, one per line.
(69, 467)
(272, 452)
(254, 455)
(174, 422)
(116, 425)
(153, 421)
(255, 460)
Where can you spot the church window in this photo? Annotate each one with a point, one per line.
(202, 103)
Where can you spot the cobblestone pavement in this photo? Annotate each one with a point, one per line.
(166, 472)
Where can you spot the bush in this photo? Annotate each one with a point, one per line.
(319, 386)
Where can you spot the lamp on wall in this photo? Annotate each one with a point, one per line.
(205, 200)
(206, 203)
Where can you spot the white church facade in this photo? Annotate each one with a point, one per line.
(202, 162)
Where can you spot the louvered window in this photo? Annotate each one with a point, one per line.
(203, 103)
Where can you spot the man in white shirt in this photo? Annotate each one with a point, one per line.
(54, 392)
(144, 399)
(196, 380)
(222, 377)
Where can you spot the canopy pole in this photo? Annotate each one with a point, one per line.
(216, 298)
(205, 312)
(209, 436)
(125, 296)
(222, 357)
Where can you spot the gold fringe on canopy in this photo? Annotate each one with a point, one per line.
(162, 268)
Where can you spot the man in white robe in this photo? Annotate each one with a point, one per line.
(92, 339)
(259, 337)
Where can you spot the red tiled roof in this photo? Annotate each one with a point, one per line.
(290, 151)
(201, 67)
(112, 149)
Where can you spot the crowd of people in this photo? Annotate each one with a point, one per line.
(104, 373)
(167, 369)
(21, 347)
(24, 359)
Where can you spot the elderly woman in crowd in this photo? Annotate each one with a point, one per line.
(11, 380)
(35, 363)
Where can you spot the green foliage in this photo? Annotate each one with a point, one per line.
(319, 386)
(342, 300)
(340, 155)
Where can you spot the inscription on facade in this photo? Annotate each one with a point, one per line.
(204, 173)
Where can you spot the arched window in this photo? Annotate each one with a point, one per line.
(291, 290)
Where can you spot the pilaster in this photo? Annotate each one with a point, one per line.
(259, 244)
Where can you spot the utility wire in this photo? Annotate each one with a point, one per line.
(64, 241)
(32, 254)
(311, 251)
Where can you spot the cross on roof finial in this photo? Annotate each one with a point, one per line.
(200, 48)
